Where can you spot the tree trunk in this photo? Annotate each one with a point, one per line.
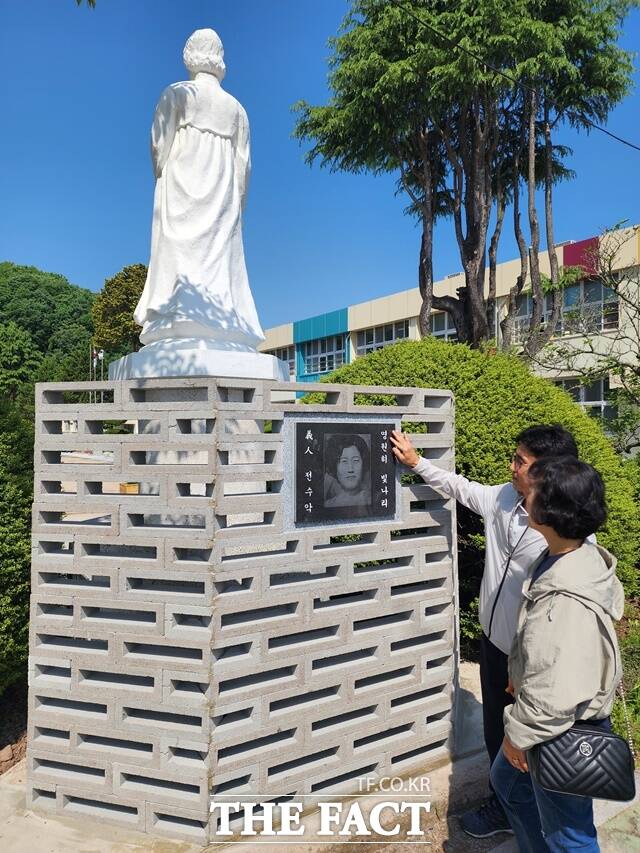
(425, 267)
(548, 197)
(425, 276)
(471, 181)
(507, 325)
(493, 255)
(453, 307)
(550, 328)
(531, 345)
(477, 215)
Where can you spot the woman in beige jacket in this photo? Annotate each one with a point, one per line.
(564, 664)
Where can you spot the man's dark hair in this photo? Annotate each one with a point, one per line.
(548, 440)
(568, 496)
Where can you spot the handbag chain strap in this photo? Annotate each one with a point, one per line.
(626, 717)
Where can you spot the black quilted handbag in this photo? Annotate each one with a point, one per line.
(585, 761)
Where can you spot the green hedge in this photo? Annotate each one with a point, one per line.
(496, 396)
(629, 638)
(16, 488)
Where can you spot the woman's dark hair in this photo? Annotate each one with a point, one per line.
(548, 440)
(568, 496)
(337, 442)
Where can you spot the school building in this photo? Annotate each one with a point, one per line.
(315, 346)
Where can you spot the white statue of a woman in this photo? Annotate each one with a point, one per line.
(196, 310)
(197, 285)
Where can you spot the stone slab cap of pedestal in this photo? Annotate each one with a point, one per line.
(197, 358)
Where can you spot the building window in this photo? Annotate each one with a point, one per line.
(592, 397)
(378, 337)
(323, 354)
(524, 313)
(442, 326)
(287, 354)
(587, 307)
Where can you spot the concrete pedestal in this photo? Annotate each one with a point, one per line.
(190, 643)
(197, 358)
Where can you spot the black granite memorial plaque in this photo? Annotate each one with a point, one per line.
(344, 471)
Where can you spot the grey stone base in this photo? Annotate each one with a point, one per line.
(187, 644)
(177, 358)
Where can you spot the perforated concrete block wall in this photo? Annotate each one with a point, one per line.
(188, 641)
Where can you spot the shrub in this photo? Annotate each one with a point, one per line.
(629, 639)
(496, 396)
(632, 470)
(16, 484)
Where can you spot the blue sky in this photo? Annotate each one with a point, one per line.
(79, 87)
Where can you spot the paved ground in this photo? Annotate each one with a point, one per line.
(453, 788)
(23, 831)
(622, 833)
(618, 826)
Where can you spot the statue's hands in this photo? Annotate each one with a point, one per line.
(403, 450)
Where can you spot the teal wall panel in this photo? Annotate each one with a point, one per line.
(299, 362)
(321, 326)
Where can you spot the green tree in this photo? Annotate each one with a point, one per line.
(575, 73)
(56, 314)
(115, 328)
(66, 367)
(19, 360)
(16, 486)
(591, 353)
(45, 333)
(410, 96)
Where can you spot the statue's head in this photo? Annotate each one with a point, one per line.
(204, 52)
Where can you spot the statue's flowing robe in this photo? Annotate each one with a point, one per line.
(197, 285)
